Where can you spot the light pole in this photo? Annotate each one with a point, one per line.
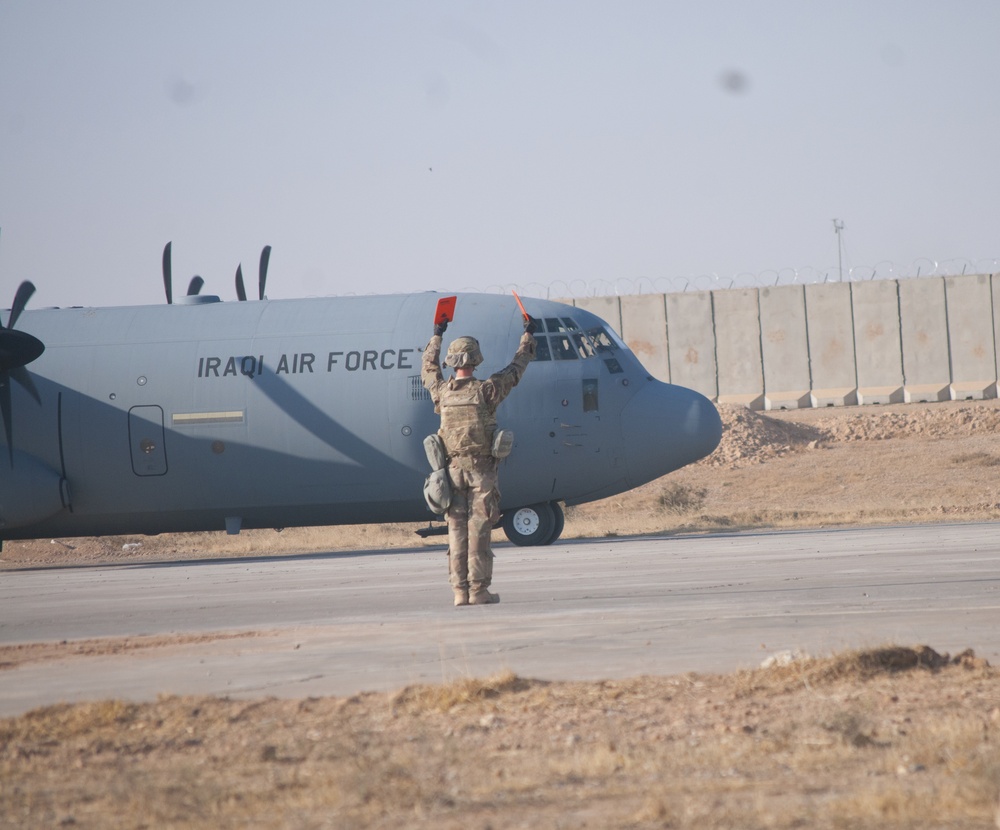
(838, 226)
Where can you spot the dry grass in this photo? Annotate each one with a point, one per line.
(977, 459)
(890, 737)
(675, 497)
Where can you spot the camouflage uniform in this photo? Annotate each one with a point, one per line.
(467, 407)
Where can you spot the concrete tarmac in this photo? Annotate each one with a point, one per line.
(342, 623)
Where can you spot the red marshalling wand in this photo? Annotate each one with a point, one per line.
(445, 311)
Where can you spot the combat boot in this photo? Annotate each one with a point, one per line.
(478, 595)
(461, 596)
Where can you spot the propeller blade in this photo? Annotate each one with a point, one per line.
(241, 289)
(17, 348)
(194, 287)
(24, 292)
(20, 374)
(5, 412)
(265, 257)
(168, 280)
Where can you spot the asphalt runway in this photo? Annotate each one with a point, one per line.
(342, 623)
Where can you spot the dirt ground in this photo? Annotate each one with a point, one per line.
(893, 737)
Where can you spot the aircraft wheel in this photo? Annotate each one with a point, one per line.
(529, 526)
(559, 524)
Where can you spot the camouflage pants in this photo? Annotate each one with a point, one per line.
(475, 508)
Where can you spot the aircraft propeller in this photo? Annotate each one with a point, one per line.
(196, 284)
(265, 257)
(194, 287)
(241, 290)
(168, 281)
(17, 350)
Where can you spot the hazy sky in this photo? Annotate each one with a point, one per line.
(405, 146)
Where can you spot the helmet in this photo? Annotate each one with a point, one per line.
(437, 491)
(463, 351)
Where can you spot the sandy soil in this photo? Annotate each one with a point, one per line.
(897, 737)
(894, 737)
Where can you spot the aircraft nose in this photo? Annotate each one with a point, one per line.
(665, 427)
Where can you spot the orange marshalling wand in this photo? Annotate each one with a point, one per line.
(520, 305)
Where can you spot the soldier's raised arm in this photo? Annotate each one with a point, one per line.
(430, 363)
(500, 383)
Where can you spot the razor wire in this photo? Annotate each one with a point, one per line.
(771, 278)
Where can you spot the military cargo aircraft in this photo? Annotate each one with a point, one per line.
(200, 414)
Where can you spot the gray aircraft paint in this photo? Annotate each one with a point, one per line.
(208, 415)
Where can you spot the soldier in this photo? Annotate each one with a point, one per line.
(467, 407)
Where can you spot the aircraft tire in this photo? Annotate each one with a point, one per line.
(530, 526)
(560, 522)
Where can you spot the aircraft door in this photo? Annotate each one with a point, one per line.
(146, 441)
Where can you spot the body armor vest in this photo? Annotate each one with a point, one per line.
(467, 425)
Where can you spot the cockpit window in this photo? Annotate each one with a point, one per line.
(563, 347)
(584, 345)
(558, 325)
(561, 338)
(603, 342)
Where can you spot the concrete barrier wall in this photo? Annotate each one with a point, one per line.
(970, 337)
(876, 342)
(644, 330)
(737, 347)
(784, 347)
(995, 286)
(691, 333)
(877, 346)
(923, 327)
(832, 364)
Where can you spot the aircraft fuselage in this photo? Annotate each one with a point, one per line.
(211, 415)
